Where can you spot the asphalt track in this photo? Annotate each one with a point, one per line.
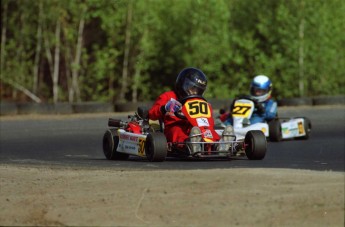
(76, 141)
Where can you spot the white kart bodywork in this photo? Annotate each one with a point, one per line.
(131, 143)
(293, 128)
(240, 132)
(287, 128)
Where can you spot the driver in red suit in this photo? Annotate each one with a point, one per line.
(190, 83)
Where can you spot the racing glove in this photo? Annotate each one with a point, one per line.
(172, 106)
(259, 108)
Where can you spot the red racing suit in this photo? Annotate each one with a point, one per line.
(175, 129)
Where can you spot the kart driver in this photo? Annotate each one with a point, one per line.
(265, 107)
(190, 83)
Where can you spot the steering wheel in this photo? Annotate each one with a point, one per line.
(180, 115)
(245, 97)
(256, 103)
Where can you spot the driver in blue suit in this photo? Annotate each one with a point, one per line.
(266, 108)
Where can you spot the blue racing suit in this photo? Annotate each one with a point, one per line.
(270, 108)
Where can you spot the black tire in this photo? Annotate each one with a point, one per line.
(275, 130)
(307, 129)
(156, 147)
(255, 145)
(329, 100)
(110, 143)
(295, 102)
(154, 127)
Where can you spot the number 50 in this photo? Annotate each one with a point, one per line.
(197, 107)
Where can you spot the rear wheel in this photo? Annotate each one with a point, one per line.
(255, 145)
(275, 131)
(110, 143)
(156, 147)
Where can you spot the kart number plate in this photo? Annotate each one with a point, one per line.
(141, 150)
(300, 128)
(241, 109)
(198, 109)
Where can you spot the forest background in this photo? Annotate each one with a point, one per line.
(132, 50)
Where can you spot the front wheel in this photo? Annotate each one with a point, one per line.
(110, 143)
(156, 147)
(255, 145)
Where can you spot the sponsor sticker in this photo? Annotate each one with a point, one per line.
(202, 122)
(285, 131)
(208, 134)
(128, 138)
(130, 146)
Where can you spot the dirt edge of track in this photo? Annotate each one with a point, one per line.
(45, 196)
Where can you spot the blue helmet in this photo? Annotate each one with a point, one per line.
(261, 88)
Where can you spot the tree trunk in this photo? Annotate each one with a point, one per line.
(124, 80)
(22, 89)
(48, 52)
(56, 62)
(3, 36)
(135, 83)
(301, 53)
(76, 63)
(38, 49)
(68, 73)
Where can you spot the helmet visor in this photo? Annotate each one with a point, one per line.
(258, 91)
(191, 88)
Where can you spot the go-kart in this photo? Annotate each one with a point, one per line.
(140, 138)
(276, 129)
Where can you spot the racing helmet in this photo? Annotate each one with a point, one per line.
(261, 88)
(190, 83)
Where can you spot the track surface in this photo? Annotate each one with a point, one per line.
(76, 141)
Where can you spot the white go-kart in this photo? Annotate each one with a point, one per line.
(275, 130)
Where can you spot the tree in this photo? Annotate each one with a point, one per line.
(117, 51)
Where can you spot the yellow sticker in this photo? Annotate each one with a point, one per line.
(198, 108)
(242, 109)
(300, 128)
(208, 140)
(141, 150)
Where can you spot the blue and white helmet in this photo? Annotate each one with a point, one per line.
(261, 88)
